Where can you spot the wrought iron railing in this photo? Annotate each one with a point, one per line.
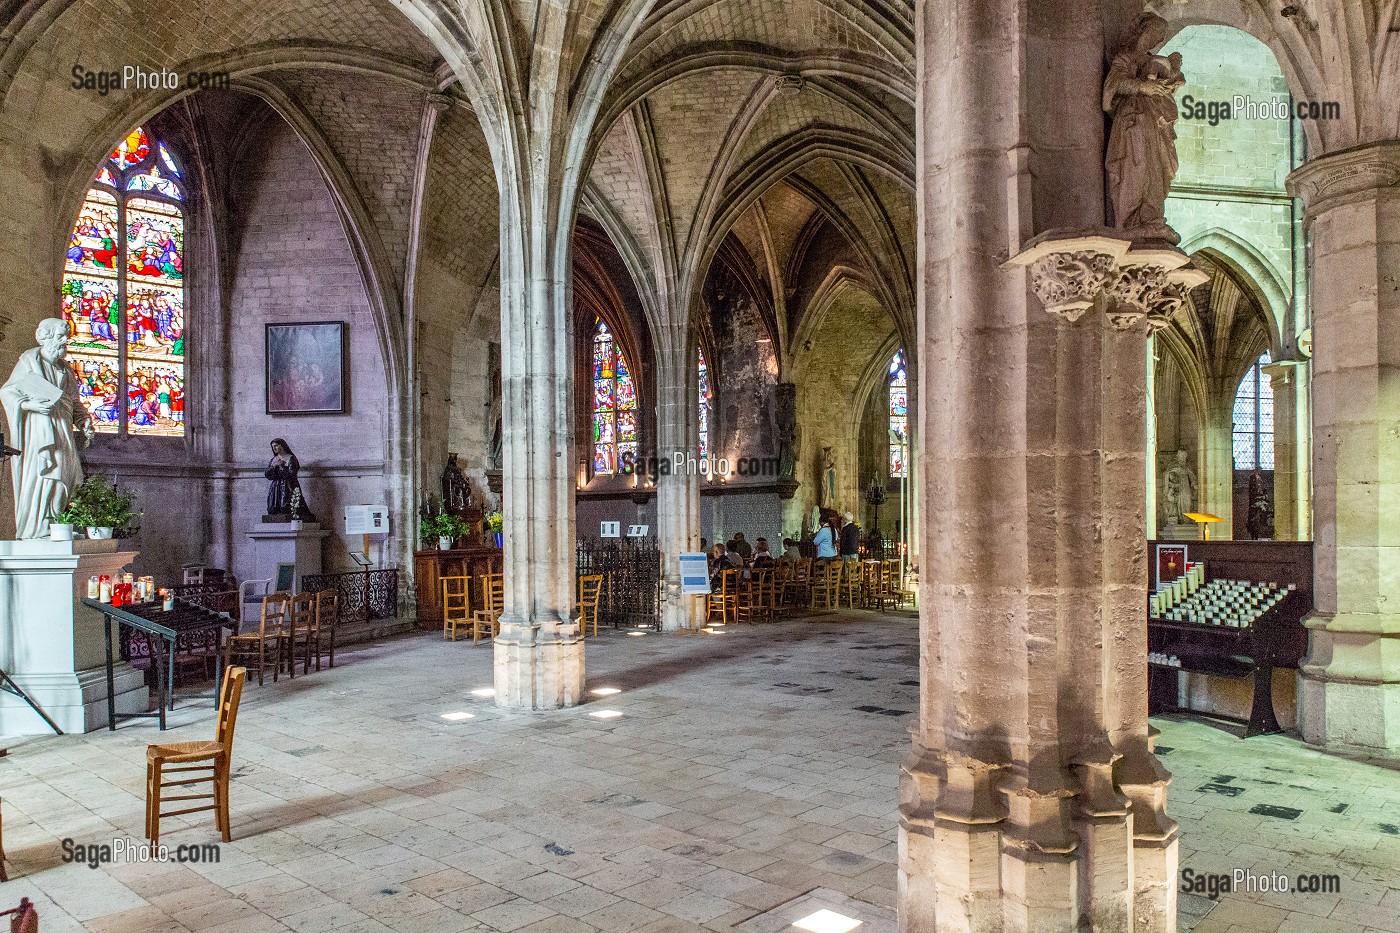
(365, 595)
(631, 569)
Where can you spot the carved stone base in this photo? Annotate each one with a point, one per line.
(538, 666)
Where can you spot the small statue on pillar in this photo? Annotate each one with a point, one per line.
(285, 501)
(1141, 160)
(456, 489)
(1178, 492)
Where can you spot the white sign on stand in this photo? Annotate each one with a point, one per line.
(610, 529)
(366, 520)
(695, 573)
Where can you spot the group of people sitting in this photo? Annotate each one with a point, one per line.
(838, 537)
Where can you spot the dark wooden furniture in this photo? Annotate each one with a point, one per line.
(165, 633)
(429, 567)
(1277, 639)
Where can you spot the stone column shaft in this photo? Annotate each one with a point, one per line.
(677, 493)
(1350, 697)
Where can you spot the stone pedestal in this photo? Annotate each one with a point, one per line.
(1350, 694)
(50, 645)
(274, 544)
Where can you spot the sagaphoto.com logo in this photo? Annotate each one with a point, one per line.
(104, 81)
(1244, 107)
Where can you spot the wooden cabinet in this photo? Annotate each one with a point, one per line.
(429, 567)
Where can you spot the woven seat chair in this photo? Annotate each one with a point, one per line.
(187, 763)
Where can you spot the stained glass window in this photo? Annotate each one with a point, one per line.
(1254, 419)
(614, 406)
(124, 293)
(704, 371)
(899, 416)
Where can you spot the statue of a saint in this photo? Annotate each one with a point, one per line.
(828, 484)
(1259, 521)
(1178, 491)
(1141, 160)
(456, 488)
(285, 501)
(41, 403)
(788, 431)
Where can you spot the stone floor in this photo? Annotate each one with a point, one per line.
(750, 780)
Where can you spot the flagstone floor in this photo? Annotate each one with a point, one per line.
(750, 780)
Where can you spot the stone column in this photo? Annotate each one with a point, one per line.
(1350, 694)
(1217, 460)
(677, 492)
(1031, 800)
(539, 651)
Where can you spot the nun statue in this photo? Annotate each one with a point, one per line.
(284, 499)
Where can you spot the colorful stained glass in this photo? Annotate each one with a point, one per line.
(90, 308)
(93, 245)
(154, 181)
(899, 416)
(704, 378)
(168, 161)
(97, 387)
(1253, 419)
(131, 151)
(155, 240)
(124, 297)
(614, 406)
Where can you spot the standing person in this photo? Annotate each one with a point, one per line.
(743, 547)
(850, 538)
(790, 550)
(825, 542)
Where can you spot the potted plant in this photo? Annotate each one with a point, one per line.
(497, 522)
(61, 525)
(446, 528)
(101, 506)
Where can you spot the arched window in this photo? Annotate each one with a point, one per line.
(1254, 419)
(899, 416)
(124, 292)
(614, 406)
(704, 371)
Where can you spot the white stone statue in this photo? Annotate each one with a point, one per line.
(42, 406)
(1178, 491)
(1141, 160)
(828, 486)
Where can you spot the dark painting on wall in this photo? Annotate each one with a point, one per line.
(306, 368)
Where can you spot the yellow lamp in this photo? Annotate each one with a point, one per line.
(1205, 520)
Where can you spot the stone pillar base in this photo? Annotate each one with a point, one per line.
(538, 666)
(1352, 717)
(76, 701)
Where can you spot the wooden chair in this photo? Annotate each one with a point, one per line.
(590, 590)
(850, 583)
(456, 605)
(782, 570)
(826, 578)
(799, 583)
(489, 618)
(270, 638)
(754, 601)
(327, 618)
(189, 757)
(304, 636)
(724, 602)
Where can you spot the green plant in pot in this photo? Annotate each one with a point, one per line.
(497, 523)
(446, 528)
(61, 525)
(101, 506)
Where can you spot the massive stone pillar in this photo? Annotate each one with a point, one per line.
(1031, 800)
(1350, 694)
(677, 491)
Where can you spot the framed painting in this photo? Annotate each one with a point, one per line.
(305, 368)
(1171, 562)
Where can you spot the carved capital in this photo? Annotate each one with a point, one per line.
(1068, 273)
(1133, 292)
(438, 102)
(789, 85)
(1346, 176)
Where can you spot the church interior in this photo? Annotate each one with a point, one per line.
(700, 465)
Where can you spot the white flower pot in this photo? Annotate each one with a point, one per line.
(444, 543)
(99, 534)
(59, 531)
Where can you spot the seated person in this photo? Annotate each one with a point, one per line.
(722, 559)
(790, 550)
(761, 556)
(825, 541)
(743, 547)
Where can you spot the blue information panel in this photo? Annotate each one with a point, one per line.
(695, 573)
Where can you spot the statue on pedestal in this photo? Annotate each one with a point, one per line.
(285, 502)
(1141, 160)
(42, 406)
(1178, 491)
(456, 489)
(828, 477)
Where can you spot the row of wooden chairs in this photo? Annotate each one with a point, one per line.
(290, 628)
(485, 622)
(763, 594)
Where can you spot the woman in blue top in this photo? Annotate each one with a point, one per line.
(825, 541)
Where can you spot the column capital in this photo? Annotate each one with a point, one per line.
(1346, 176)
(438, 102)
